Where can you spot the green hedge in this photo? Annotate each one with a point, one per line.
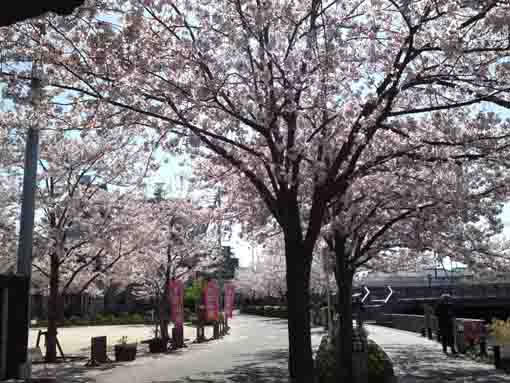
(267, 311)
(380, 369)
(101, 320)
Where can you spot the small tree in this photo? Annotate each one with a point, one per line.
(181, 245)
(84, 229)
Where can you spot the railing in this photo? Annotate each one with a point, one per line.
(367, 293)
(389, 295)
(467, 330)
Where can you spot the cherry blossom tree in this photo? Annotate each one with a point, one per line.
(181, 245)
(9, 197)
(394, 217)
(88, 213)
(266, 277)
(8, 209)
(295, 95)
(390, 217)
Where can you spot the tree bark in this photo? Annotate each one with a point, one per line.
(165, 334)
(53, 310)
(298, 265)
(165, 305)
(344, 278)
(163, 323)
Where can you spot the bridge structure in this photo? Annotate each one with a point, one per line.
(473, 297)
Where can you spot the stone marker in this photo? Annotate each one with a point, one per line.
(98, 353)
(36, 354)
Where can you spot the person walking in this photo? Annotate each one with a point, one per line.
(445, 317)
(429, 312)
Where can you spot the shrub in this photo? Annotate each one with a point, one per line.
(268, 311)
(136, 317)
(100, 320)
(378, 361)
(500, 329)
(192, 295)
(380, 369)
(101, 317)
(326, 361)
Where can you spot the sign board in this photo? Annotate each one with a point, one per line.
(229, 299)
(176, 298)
(492, 341)
(504, 351)
(211, 300)
(472, 331)
(98, 349)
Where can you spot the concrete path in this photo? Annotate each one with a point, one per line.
(417, 359)
(255, 351)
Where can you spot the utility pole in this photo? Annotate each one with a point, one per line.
(26, 231)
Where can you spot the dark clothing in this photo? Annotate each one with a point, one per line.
(447, 340)
(428, 312)
(445, 314)
(445, 317)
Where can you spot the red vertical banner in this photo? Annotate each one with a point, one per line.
(176, 292)
(229, 299)
(211, 300)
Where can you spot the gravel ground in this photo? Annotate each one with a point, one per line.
(76, 340)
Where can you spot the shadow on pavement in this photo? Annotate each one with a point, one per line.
(273, 320)
(262, 367)
(273, 356)
(72, 372)
(417, 364)
(76, 372)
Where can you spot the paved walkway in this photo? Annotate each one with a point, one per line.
(417, 359)
(256, 352)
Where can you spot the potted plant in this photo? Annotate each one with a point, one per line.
(499, 337)
(124, 351)
(157, 344)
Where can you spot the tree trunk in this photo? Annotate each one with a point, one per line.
(344, 277)
(165, 304)
(164, 329)
(298, 298)
(53, 311)
(163, 322)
